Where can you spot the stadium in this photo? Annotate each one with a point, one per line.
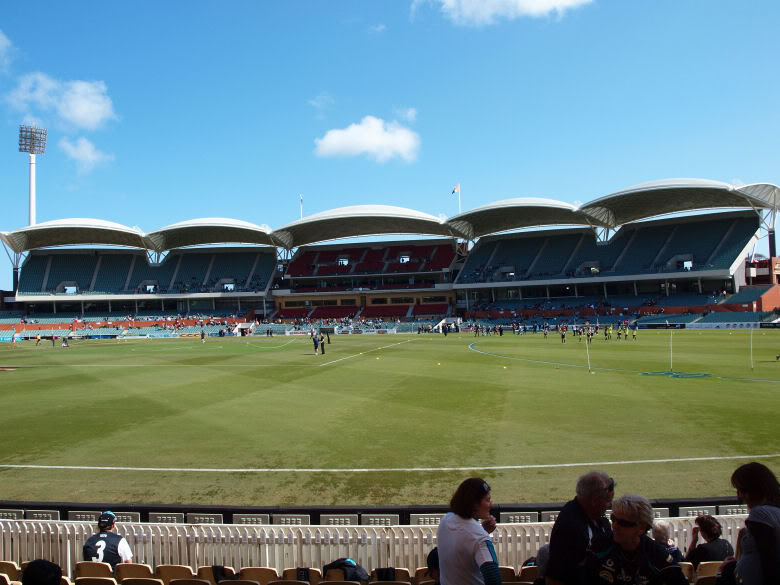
(224, 439)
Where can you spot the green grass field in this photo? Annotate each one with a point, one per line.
(379, 402)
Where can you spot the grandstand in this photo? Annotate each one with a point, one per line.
(604, 258)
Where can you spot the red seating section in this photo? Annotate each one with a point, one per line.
(433, 309)
(373, 260)
(333, 312)
(288, 313)
(385, 311)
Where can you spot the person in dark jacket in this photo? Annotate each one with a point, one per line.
(578, 523)
(629, 556)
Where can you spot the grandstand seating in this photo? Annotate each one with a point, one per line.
(192, 272)
(686, 299)
(747, 294)
(334, 312)
(161, 274)
(431, 309)
(682, 318)
(518, 253)
(734, 242)
(555, 255)
(112, 272)
(643, 248)
(78, 268)
(292, 313)
(398, 311)
(735, 317)
(33, 271)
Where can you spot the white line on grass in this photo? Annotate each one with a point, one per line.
(349, 357)
(387, 469)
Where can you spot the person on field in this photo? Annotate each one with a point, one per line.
(579, 521)
(202, 335)
(466, 553)
(315, 338)
(628, 556)
(107, 546)
(322, 344)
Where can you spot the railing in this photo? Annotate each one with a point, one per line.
(280, 547)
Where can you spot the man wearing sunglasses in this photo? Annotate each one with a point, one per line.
(579, 521)
(630, 556)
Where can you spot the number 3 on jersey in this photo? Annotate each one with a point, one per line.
(100, 545)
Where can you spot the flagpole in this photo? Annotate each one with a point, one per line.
(301, 205)
(460, 210)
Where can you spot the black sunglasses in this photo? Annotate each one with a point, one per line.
(622, 522)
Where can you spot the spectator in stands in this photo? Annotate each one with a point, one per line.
(714, 547)
(466, 554)
(628, 556)
(579, 521)
(41, 572)
(662, 534)
(107, 546)
(758, 550)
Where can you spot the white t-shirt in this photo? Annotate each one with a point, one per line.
(464, 547)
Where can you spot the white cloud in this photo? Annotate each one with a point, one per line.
(81, 104)
(6, 52)
(373, 137)
(408, 114)
(85, 154)
(321, 101)
(484, 12)
(377, 28)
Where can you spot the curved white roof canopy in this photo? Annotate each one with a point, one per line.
(676, 195)
(64, 232)
(210, 230)
(359, 220)
(517, 213)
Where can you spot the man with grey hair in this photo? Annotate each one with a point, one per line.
(629, 556)
(579, 521)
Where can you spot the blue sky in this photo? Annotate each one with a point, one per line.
(164, 111)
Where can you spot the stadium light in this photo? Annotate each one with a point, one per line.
(32, 140)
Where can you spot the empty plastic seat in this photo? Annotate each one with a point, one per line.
(11, 569)
(95, 581)
(315, 576)
(93, 569)
(169, 572)
(141, 581)
(262, 575)
(206, 572)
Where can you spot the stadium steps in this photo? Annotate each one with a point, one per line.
(722, 242)
(665, 246)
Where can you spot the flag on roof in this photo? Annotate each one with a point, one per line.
(456, 189)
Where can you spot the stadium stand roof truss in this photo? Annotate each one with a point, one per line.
(360, 220)
(677, 195)
(65, 232)
(511, 214)
(213, 230)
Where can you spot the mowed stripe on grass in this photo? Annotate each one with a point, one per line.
(428, 403)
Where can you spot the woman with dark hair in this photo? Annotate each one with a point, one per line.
(759, 546)
(714, 547)
(466, 553)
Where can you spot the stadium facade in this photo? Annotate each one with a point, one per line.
(681, 239)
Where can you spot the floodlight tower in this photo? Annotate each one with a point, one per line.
(32, 140)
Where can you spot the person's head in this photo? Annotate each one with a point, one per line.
(756, 484)
(471, 499)
(709, 527)
(41, 572)
(106, 521)
(433, 564)
(662, 532)
(595, 491)
(632, 516)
